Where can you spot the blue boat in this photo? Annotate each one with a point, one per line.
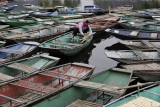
(8, 7)
(17, 51)
(94, 9)
(63, 9)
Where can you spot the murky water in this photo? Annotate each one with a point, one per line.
(94, 53)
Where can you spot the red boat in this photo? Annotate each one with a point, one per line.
(22, 90)
(3, 2)
(102, 25)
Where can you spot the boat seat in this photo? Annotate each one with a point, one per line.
(4, 77)
(82, 103)
(141, 54)
(63, 43)
(11, 51)
(141, 102)
(22, 67)
(21, 20)
(16, 36)
(60, 45)
(40, 20)
(134, 33)
(33, 86)
(154, 35)
(15, 31)
(149, 44)
(101, 87)
(1, 60)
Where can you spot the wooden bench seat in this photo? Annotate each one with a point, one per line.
(11, 51)
(4, 77)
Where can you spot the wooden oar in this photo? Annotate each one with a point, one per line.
(139, 85)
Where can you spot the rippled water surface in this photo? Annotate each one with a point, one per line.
(94, 53)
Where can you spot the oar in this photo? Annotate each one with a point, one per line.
(139, 85)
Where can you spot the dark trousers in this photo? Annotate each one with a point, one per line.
(76, 30)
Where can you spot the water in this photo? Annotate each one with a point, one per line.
(94, 53)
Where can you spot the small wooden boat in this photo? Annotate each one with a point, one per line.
(141, 44)
(27, 65)
(147, 25)
(64, 9)
(65, 44)
(17, 51)
(98, 90)
(3, 2)
(148, 96)
(121, 8)
(33, 86)
(134, 34)
(94, 9)
(32, 7)
(134, 56)
(17, 16)
(38, 32)
(101, 25)
(8, 7)
(146, 72)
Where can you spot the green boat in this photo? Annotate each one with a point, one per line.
(99, 89)
(36, 32)
(65, 44)
(146, 98)
(27, 65)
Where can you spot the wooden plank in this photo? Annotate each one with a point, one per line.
(16, 36)
(11, 51)
(134, 33)
(149, 44)
(141, 102)
(82, 103)
(33, 86)
(102, 87)
(1, 60)
(63, 43)
(141, 54)
(154, 35)
(15, 31)
(154, 66)
(5, 77)
(22, 67)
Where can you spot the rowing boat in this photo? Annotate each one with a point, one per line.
(141, 44)
(134, 56)
(134, 34)
(65, 44)
(27, 65)
(148, 96)
(37, 32)
(99, 89)
(35, 85)
(32, 7)
(17, 51)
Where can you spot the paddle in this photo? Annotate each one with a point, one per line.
(139, 85)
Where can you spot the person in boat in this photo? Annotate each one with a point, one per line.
(82, 28)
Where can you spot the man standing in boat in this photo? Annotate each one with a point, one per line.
(82, 28)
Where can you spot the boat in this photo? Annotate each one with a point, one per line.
(146, 72)
(121, 8)
(18, 22)
(36, 32)
(8, 7)
(28, 65)
(94, 9)
(99, 89)
(141, 44)
(134, 34)
(147, 96)
(102, 25)
(32, 7)
(66, 45)
(3, 2)
(147, 25)
(134, 56)
(35, 85)
(17, 16)
(17, 51)
(64, 9)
